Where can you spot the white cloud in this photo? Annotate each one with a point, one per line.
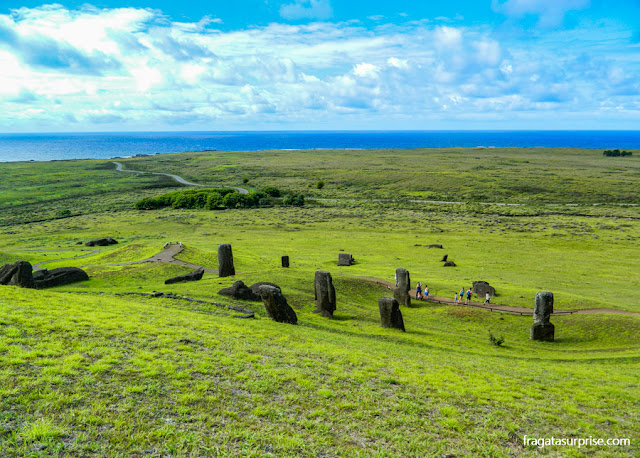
(307, 9)
(134, 68)
(550, 13)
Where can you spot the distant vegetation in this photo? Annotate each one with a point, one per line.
(218, 199)
(616, 153)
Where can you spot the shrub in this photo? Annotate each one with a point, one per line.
(272, 191)
(214, 201)
(616, 153)
(245, 180)
(320, 184)
(293, 200)
(497, 341)
(231, 200)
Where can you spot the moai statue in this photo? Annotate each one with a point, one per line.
(403, 285)
(542, 329)
(444, 258)
(345, 259)
(285, 261)
(225, 261)
(390, 315)
(275, 304)
(19, 273)
(325, 294)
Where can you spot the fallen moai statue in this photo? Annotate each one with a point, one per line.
(102, 242)
(275, 304)
(56, 277)
(481, 288)
(390, 314)
(542, 329)
(18, 274)
(345, 259)
(192, 276)
(403, 285)
(256, 286)
(444, 258)
(325, 294)
(21, 274)
(435, 245)
(241, 291)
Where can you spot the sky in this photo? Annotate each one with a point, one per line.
(146, 65)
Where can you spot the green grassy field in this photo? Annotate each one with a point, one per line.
(89, 370)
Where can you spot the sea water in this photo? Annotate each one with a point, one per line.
(47, 147)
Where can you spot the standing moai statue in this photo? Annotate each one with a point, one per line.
(542, 329)
(285, 261)
(390, 314)
(225, 261)
(345, 259)
(325, 294)
(275, 304)
(403, 285)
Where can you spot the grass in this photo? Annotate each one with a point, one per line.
(88, 370)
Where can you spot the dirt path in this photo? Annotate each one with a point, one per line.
(179, 179)
(496, 307)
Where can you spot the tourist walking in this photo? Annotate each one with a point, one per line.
(455, 298)
(426, 290)
(461, 294)
(419, 291)
(469, 296)
(487, 298)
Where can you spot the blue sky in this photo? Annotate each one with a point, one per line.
(319, 64)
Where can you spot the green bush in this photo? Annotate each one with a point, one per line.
(272, 191)
(320, 184)
(293, 200)
(210, 199)
(616, 153)
(497, 341)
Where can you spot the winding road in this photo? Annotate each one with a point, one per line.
(179, 179)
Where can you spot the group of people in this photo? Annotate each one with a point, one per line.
(420, 293)
(458, 297)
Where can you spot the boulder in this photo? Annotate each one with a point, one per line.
(325, 294)
(390, 314)
(285, 261)
(192, 276)
(256, 286)
(449, 264)
(481, 288)
(542, 329)
(403, 285)
(345, 259)
(241, 291)
(275, 304)
(57, 277)
(102, 242)
(225, 261)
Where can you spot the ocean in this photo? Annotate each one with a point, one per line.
(47, 147)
